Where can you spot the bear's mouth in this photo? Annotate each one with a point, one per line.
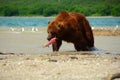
(50, 37)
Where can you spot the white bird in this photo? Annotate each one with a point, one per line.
(116, 27)
(93, 28)
(22, 29)
(33, 29)
(12, 29)
(36, 29)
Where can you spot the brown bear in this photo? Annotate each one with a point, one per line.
(71, 27)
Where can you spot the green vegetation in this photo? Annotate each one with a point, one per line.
(53, 7)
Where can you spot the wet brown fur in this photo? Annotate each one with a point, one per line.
(71, 27)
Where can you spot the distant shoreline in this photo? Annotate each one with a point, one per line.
(56, 15)
(26, 16)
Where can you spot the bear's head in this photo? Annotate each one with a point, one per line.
(57, 27)
(54, 29)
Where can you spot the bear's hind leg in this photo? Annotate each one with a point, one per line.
(79, 47)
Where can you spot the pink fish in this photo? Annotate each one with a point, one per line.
(50, 42)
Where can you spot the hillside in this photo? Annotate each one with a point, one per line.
(53, 7)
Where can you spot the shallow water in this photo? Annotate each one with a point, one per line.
(32, 42)
(27, 35)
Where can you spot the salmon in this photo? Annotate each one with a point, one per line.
(49, 42)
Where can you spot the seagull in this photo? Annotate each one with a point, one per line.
(116, 27)
(33, 29)
(12, 29)
(36, 29)
(22, 29)
(93, 28)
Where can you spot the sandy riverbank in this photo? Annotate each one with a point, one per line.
(107, 32)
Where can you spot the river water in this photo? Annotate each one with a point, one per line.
(18, 22)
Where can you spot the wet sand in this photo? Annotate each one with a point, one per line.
(22, 57)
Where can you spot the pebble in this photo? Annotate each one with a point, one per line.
(52, 60)
(74, 57)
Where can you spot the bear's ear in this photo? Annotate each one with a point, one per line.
(63, 12)
(48, 22)
(62, 16)
(60, 25)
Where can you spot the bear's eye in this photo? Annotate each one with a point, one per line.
(53, 33)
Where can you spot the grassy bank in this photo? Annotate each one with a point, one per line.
(53, 7)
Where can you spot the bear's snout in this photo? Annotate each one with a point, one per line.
(49, 37)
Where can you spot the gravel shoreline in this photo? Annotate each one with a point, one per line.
(59, 66)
